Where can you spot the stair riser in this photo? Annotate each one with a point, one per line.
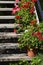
(6, 21)
(4, 13)
(12, 51)
(6, 29)
(9, 40)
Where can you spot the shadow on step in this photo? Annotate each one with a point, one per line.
(13, 51)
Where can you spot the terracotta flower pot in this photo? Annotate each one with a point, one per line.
(31, 53)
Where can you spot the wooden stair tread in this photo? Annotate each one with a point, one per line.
(8, 2)
(5, 9)
(9, 35)
(7, 17)
(8, 25)
(14, 57)
(8, 45)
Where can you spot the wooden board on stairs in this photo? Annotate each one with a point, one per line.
(13, 57)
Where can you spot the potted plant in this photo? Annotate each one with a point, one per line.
(32, 40)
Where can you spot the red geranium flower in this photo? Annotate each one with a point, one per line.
(38, 33)
(34, 0)
(17, 17)
(15, 30)
(33, 22)
(25, 7)
(32, 10)
(34, 33)
(40, 37)
(27, 2)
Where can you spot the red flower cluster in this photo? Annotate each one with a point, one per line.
(17, 17)
(33, 22)
(32, 10)
(25, 5)
(34, 0)
(38, 34)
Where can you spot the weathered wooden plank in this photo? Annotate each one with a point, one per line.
(8, 2)
(9, 35)
(13, 57)
(8, 45)
(5, 9)
(7, 17)
(9, 25)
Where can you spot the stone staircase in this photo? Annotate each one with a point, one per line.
(9, 50)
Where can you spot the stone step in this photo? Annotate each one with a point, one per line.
(8, 45)
(7, 2)
(9, 35)
(5, 9)
(7, 17)
(8, 25)
(14, 57)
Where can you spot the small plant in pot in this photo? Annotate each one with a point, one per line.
(31, 39)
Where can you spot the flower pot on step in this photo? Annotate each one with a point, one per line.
(31, 53)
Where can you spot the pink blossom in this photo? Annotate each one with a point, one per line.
(17, 0)
(15, 5)
(18, 9)
(14, 10)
